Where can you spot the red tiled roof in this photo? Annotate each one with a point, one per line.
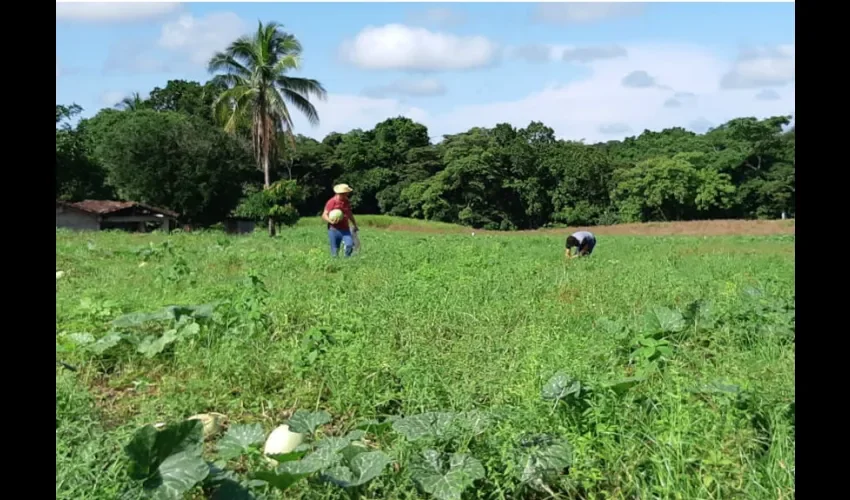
(103, 207)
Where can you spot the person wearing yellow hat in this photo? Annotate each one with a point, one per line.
(340, 231)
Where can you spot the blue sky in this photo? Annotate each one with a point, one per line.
(590, 71)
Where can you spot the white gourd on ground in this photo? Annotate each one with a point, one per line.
(282, 441)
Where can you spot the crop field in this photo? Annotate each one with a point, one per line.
(433, 364)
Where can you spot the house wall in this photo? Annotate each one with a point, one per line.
(245, 226)
(236, 226)
(76, 220)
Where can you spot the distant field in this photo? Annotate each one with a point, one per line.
(686, 344)
(690, 228)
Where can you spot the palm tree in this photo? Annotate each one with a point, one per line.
(255, 71)
(131, 103)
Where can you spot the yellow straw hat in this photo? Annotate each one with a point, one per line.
(342, 189)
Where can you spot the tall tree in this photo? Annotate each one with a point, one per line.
(254, 68)
(132, 102)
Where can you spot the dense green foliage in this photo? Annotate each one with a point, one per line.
(500, 178)
(494, 368)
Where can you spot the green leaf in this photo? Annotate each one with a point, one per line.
(82, 338)
(279, 479)
(560, 386)
(105, 343)
(149, 448)
(288, 457)
(349, 452)
(177, 474)
(614, 328)
(239, 439)
(474, 422)
(355, 435)
(431, 475)
(306, 422)
(142, 452)
(362, 469)
(323, 458)
(665, 320)
(623, 385)
(232, 490)
(152, 345)
(190, 330)
(547, 460)
(425, 425)
(334, 444)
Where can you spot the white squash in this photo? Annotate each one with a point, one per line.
(282, 441)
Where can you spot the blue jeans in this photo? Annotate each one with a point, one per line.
(340, 235)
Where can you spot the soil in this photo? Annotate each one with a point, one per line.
(689, 228)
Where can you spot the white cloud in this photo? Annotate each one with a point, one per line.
(187, 42)
(762, 67)
(584, 108)
(614, 129)
(416, 88)
(571, 54)
(110, 98)
(700, 125)
(584, 13)
(768, 95)
(400, 47)
(638, 79)
(114, 12)
(198, 39)
(439, 16)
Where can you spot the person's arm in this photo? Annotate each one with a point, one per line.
(326, 212)
(567, 253)
(353, 222)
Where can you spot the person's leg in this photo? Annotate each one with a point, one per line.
(348, 241)
(335, 237)
(590, 246)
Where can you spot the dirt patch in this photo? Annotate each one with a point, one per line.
(727, 248)
(118, 404)
(689, 228)
(568, 294)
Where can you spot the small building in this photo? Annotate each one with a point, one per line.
(239, 225)
(96, 215)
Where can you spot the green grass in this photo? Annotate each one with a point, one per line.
(449, 322)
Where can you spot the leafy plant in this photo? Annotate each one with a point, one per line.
(315, 342)
(306, 422)
(543, 458)
(563, 388)
(446, 479)
(661, 320)
(277, 202)
(357, 469)
(441, 426)
(240, 439)
(650, 350)
(168, 463)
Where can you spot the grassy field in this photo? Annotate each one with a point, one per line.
(661, 367)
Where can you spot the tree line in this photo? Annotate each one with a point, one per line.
(200, 150)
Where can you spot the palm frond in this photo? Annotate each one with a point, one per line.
(302, 104)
